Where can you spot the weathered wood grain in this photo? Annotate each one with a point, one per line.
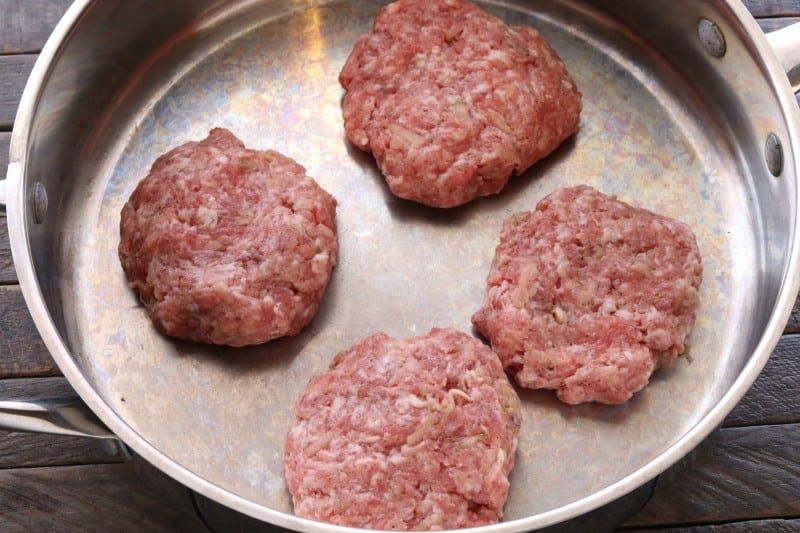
(774, 398)
(5, 142)
(18, 450)
(25, 25)
(14, 72)
(772, 8)
(27, 388)
(736, 474)
(7, 273)
(88, 498)
(793, 325)
(750, 526)
(771, 24)
(22, 351)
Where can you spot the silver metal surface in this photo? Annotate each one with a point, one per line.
(665, 126)
(786, 45)
(58, 416)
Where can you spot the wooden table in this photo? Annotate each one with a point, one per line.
(744, 477)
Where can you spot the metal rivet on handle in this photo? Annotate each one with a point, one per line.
(712, 38)
(773, 154)
(39, 200)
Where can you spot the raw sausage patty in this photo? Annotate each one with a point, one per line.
(452, 102)
(415, 433)
(227, 245)
(589, 296)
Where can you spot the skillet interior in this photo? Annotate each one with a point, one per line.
(665, 126)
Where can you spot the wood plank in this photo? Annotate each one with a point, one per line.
(25, 26)
(773, 8)
(793, 325)
(774, 398)
(771, 24)
(737, 474)
(22, 351)
(19, 450)
(89, 498)
(7, 273)
(5, 142)
(28, 388)
(747, 526)
(14, 72)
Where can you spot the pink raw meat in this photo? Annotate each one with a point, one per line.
(227, 245)
(589, 296)
(405, 434)
(452, 102)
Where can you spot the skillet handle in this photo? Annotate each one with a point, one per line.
(57, 416)
(12, 167)
(786, 44)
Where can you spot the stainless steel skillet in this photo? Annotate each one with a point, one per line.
(687, 112)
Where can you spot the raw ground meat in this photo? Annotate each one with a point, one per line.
(406, 434)
(227, 245)
(451, 101)
(589, 296)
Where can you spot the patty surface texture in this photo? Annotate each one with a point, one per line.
(589, 296)
(227, 245)
(452, 102)
(405, 434)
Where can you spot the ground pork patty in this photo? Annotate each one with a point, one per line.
(227, 245)
(407, 434)
(452, 102)
(589, 296)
